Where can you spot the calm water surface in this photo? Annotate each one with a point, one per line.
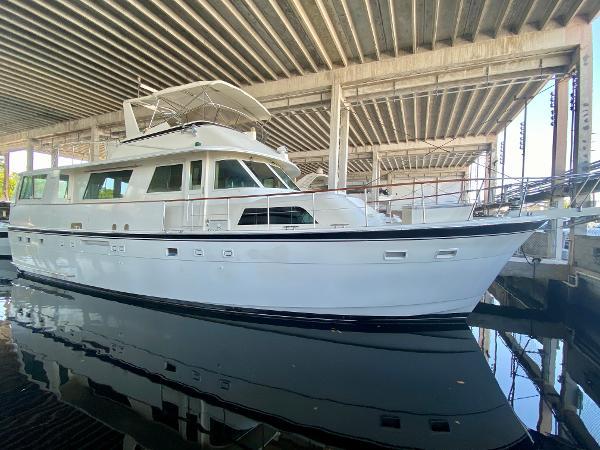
(78, 371)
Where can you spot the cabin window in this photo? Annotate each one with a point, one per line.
(229, 173)
(63, 186)
(265, 175)
(196, 175)
(285, 177)
(32, 187)
(285, 215)
(105, 185)
(166, 179)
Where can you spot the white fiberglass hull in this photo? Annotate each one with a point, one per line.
(391, 271)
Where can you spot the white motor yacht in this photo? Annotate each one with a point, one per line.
(192, 211)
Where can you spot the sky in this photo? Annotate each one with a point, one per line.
(538, 154)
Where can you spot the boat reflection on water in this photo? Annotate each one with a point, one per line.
(175, 381)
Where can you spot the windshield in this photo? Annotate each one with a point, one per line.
(284, 176)
(265, 175)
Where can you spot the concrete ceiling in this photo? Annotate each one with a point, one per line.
(67, 60)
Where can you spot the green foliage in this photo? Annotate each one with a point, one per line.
(12, 183)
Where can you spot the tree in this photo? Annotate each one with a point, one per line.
(13, 179)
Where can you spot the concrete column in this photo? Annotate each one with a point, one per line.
(560, 139)
(30, 154)
(375, 176)
(53, 375)
(334, 136)
(583, 101)
(561, 127)
(343, 162)
(54, 158)
(491, 163)
(548, 368)
(6, 176)
(95, 145)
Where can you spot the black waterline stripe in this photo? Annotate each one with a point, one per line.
(421, 233)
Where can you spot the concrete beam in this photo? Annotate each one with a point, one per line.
(526, 55)
(484, 58)
(71, 126)
(411, 147)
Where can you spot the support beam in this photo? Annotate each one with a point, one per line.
(343, 159)
(375, 175)
(561, 127)
(94, 154)
(545, 417)
(334, 135)
(30, 153)
(487, 58)
(54, 157)
(560, 138)
(583, 103)
(6, 176)
(412, 147)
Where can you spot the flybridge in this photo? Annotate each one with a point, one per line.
(214, 101)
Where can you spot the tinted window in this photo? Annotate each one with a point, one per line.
(63, 186)
(284, 176)
(107, 184)
(265, 175)
(229, 173)
(166, 179)
(196, 175)
(287, 215)
(33, 187)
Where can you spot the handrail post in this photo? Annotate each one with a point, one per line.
(476, 200)
(192, 213)
(314, 211)
(164, 217)
(228, 220)
(574, 201)
(366, 212)
(422, 204)
(591, 191)
(390, 209)
(268, 212)
(524, 196)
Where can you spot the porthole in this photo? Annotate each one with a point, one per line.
(171, 251)
(390, 255)
(447, 253)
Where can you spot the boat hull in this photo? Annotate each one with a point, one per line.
(436, 271)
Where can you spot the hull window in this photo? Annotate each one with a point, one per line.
(105, 185)
(33, 187)
(265, 175)
(196, 175)
(229, 174)
(166, 179)
(288, 215)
